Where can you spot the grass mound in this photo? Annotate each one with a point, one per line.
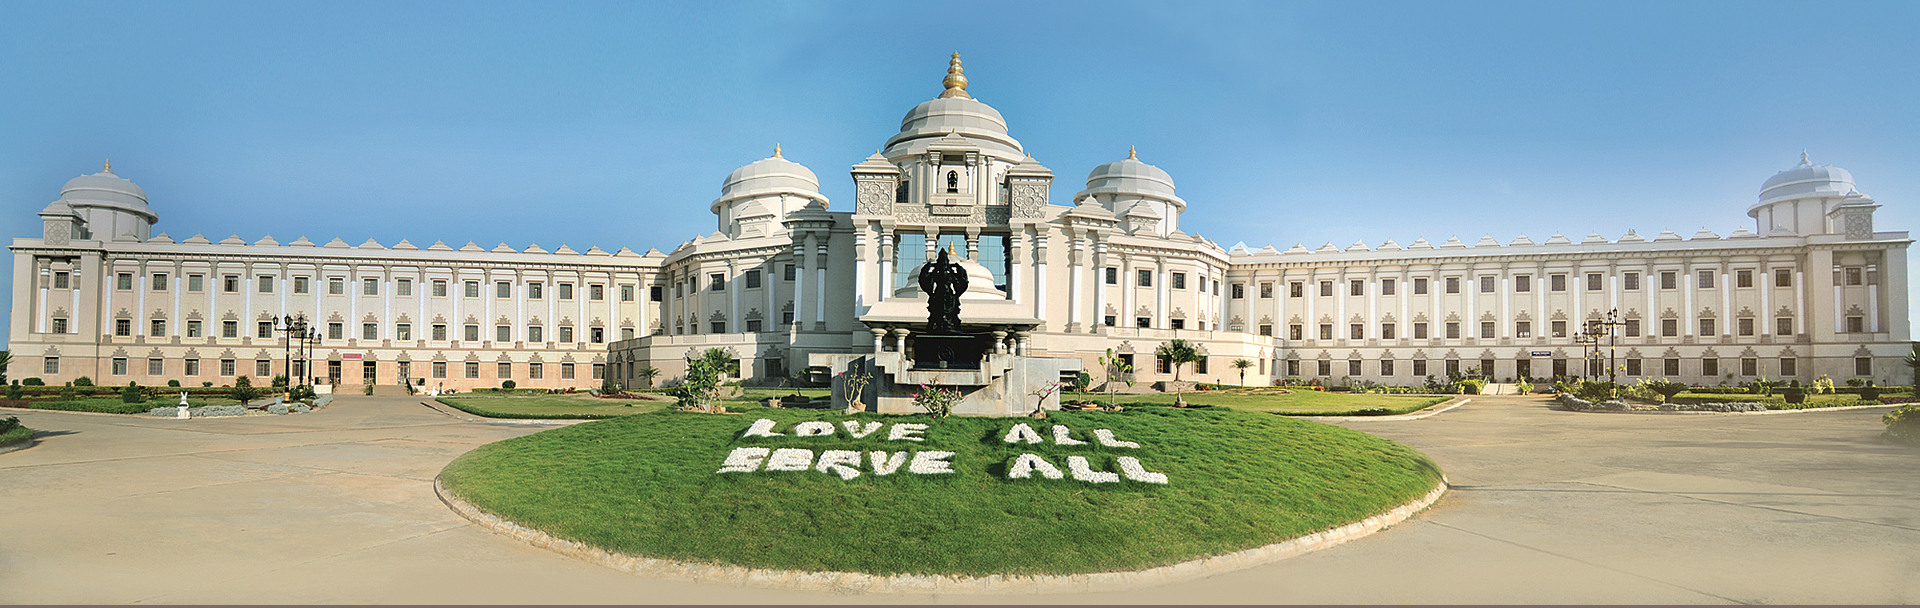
(647, 485)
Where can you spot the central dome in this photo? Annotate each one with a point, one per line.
(954, 112)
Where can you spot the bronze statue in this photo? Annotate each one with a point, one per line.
(943, 281)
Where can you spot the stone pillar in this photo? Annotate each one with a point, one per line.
(900, 340)
(1076, 278)
(1040, 277)
(1100, 262)
(879, 339)
(800, 247)
(999, 341)
(820, 283)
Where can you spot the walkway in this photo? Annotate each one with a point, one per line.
(1549, 507)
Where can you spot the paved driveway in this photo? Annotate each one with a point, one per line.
(1548, 507)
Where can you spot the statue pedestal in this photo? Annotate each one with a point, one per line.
(1002, 385)
(956, 351)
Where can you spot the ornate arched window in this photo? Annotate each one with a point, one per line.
(953, 181)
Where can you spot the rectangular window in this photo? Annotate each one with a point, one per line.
(336, 331)
(196, 283)
(264, 329)
(1356, 331)
(1176, 324)
(1630, 281)
(1109, 320)
(336, 286)
(536, 371)
(1143, 278)
(1419, 367)
(439, 369)
(227, 367)
(160, 281)
(439, 288)
(1142, 322)
(1294, 332)
(1238, 291)
(1669, 327)
(1670, 367)
(1522, 329)
(1743, 278)
(1419, 331)
(193, 367)
(1556, 282)
(753, 326)
(1783, 277)
(50, 365)
(1596, 282)
(471, 289)
(1386, 331)
(1706, 279)
(1453, 284)
(1709, 367)
(656, 293)
(1386, 367)
(1453, 330)
(1356, 287)
(263, 368)
(626, 291)
(598, 335)
(502, 289)
(1326, 289)
(403, 287)
(157, 328)
(123, 281)
(1325, 368)
(1789, 366)
(566, 371)
(1326, 331)
(266, 283)
(566, 333)
(473, 369)
(1179, 280)
(1633, 328)
(716, 282)
(1783, 326)
(119, 366)
(1486, 284)
(123, 327)
(1749, 366)
(1744, 325)
(596, 292)
(471, 333)
(403, 331)
(599, 371)
(1856, 324)
(1852, 276)
(536, 290)
(229, 329)
(1559, 329)
(565, 291)
(370, 331)
(1353, 367)
(1420, 287)
(1386, 287)
(60, 280)
(193, 328)
(1706, 327)
(1113, 276)
(1453, 367)
(535, 333)
(1669, 280)
(439, 331)
(1633, 367)
(1266, 329)
(1522, 283)
(300, 285)
(1486, 329)
(789, 273)
(228, 284)
(503, 333)
(503, 369)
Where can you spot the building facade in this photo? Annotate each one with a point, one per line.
(1813, 290)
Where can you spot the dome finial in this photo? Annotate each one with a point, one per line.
(1130, 153)
(956, 80)
(776, 151)
(109, 166)
(1803, 158)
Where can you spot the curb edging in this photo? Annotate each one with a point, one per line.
(858, 582)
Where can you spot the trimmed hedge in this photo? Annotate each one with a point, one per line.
(92, 405)
(493, 414)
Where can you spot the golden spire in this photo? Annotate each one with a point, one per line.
(956, 80)
(109, 166)
(776, 151)
(1130, 155)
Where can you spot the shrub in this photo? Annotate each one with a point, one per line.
(83, 381)
(280, 381)
(173, 384)
(243, 390)
(366, 389)
(1470, 386)
(13, 422)
(508, 384)
(69, 393)
(609, 387)
(16, 393)
(206, 385)
(131, 394)
(33, 382)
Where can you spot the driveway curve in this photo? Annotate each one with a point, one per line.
(1547, 506)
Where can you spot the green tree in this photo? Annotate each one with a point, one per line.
(6, 358)
(722, 359)
(243, 390)
(648, 373)
(1242, 365)
(700, 390)
(1117, 370)
(131, 394)
(1177, 352)
(1912, 361)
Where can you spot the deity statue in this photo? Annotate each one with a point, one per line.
(943, 281)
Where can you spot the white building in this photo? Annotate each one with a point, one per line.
(1812, 290)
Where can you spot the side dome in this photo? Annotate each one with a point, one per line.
(772, 175)
(105, 189)
(1807, 180)
(1129, 176)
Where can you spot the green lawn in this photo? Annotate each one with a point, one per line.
(759, 394)
(648, 485)
(112, 405)
(577, 405)
(15, 435)
(1291, 403)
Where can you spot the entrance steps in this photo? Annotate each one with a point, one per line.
(389, 390)
(1502, 389)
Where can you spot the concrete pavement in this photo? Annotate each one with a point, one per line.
(1548, 507)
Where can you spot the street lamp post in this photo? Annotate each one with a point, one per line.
(292, 328)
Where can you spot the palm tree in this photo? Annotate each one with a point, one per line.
(1242, 365)
(1912, 361)
(1177, 352)
(6, 358)
(648, 373)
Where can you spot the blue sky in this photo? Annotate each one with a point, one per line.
(613, 124)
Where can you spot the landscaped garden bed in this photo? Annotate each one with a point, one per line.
(961, 496)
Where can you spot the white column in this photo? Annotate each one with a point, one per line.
(142, 279)
(820, 290)
(1725, 325)
(1340, 298)
(1371, 327)
(179, 318)
(886, 266)
(1016, 252)
(1127, 287)
(1873, 308)
(733, 297)
(1470, 322)
(1040, 277)
(1503, 321)
(1839, 314)
(769, 284)
(1766, 301)
(860, 285)
(1404, 294)
(386, 312)
(1100, 263)
(1160, 293)
(1076, 277)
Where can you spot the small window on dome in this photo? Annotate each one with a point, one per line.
(953, 181)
